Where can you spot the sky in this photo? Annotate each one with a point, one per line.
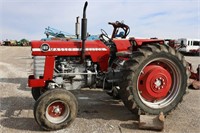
(146, 18)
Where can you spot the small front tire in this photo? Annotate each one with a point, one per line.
(55, 109)
(36, 93)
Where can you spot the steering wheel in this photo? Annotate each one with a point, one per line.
(104, 35)
(104, 32)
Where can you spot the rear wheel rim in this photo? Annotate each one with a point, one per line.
(170, 75)
(57, 112)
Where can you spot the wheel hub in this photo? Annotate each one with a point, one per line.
(57, 112)
(158, 83)
(56, 109)
(154, 82)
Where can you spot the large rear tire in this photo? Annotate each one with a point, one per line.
(154, 80)
(55, 109)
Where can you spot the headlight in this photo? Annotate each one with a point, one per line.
(45, 47)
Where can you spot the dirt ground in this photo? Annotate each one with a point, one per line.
(98, 112)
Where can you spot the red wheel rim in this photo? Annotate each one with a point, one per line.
(57, 111)
(154, 82)
(158, 73)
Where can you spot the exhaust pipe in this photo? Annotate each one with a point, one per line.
(84, 31)
(77, 27)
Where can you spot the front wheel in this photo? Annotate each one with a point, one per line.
(37, 92)
(155, 79)
(55, 109)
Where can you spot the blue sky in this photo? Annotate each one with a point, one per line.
(146, 18)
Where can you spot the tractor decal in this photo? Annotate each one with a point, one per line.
(71, 49)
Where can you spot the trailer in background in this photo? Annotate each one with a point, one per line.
(189, 46)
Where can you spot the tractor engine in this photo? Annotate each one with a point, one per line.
(68, 72)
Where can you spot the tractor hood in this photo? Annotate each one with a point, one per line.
(66, 48)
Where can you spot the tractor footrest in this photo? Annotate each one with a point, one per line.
(152, 122)
(125, 54)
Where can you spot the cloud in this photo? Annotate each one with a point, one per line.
(29, 18)
(17, 34)
(154, 15)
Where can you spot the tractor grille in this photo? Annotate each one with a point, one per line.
(39, 62)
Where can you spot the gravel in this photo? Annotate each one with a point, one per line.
(98, 113)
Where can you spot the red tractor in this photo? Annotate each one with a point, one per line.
(148, 75)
